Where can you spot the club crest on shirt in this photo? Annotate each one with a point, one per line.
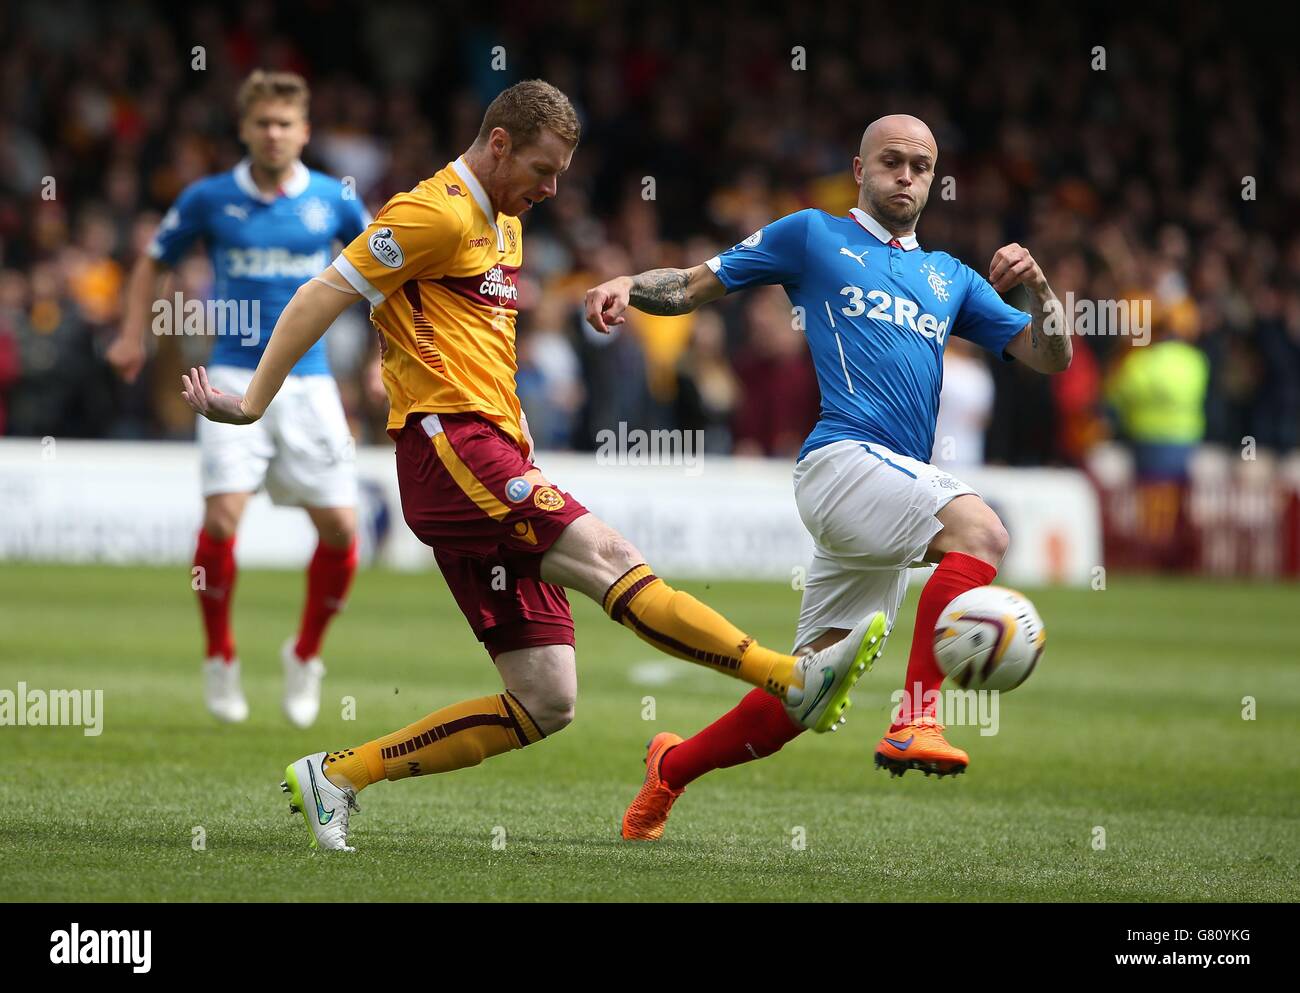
(548, 498)
(512, 240)
(385, 249)
(937, 283)
(316, 215)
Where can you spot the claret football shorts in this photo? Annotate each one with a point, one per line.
(489, 515)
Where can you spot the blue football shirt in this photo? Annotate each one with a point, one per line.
(877, 312)
(262, 249)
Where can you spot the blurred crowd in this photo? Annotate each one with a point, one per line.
(1139, 155)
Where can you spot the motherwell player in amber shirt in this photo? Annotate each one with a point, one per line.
(439, 267)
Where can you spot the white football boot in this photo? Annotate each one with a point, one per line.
(301, 686)
(323, 805)
(222, 691)
(819, 692)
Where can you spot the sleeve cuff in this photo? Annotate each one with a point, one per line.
(357, 281)
(1006, 356)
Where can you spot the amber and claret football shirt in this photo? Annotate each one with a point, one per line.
(441, 271)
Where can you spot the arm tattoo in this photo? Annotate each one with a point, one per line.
(662, 292)
(1048, 317)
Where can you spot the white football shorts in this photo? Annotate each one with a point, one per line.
(300, 449)
(871, 513)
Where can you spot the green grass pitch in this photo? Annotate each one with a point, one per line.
(1133, 724)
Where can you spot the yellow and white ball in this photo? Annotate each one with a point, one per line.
(989, 638)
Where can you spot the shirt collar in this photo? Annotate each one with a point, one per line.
(876, 228)
(295, 185)
(466, 174)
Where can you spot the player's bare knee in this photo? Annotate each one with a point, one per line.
(997, 540)
(986, 539)
(543, 681)
(336, 529)
(551, 710)
(220, 523)
(972, 528)
(556, 717)
(617, 552)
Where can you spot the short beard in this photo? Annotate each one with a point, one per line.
(902, 216)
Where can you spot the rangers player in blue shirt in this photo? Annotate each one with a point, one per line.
(877, 309)
(269, 225)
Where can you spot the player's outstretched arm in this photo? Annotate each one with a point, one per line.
(146, 284)
(659, 291)
(1044, 344)
(309, 314)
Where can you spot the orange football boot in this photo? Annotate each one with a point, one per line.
(648, 813)
(920, 745)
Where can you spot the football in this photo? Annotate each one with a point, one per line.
(989, 638)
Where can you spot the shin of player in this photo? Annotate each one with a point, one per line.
(967, 551)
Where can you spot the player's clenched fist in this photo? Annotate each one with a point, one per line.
(205, 399)
(1012, 265)
(606, 303)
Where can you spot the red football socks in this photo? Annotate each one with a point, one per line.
(753, 729)
(758, 725)
(328, 578)
(214, 581)
(957, 572)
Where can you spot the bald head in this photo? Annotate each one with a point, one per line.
(894, 168)
(902, 129)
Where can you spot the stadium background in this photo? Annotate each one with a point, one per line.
(1125, 183)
